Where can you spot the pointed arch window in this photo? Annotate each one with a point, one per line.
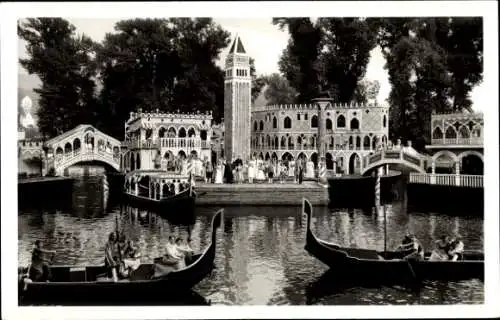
(314, 121)
(341, 121)
(354, 124)
(287, 123)
(275, 123)
(329, 125)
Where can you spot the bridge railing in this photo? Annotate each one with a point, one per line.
(401, 154)
(463, 180)
(61, 160)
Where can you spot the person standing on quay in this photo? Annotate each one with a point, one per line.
(209, 172)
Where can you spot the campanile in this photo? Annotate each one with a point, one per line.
(237, 103)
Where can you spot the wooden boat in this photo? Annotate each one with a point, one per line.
(182, 203)
(142, 190)
(366, 265)
(71, 285)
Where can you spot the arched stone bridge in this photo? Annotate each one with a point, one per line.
(83, 144)
(404, 157)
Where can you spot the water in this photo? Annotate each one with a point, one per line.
(260, 255)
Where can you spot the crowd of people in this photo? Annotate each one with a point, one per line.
(255, 170)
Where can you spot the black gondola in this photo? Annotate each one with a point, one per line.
(70, 285)
(181, 203)
(388, 267)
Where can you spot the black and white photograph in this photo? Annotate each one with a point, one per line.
(175, 159)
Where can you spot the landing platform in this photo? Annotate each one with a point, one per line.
(261, 194)
(38, 180)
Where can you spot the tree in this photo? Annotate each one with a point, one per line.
(299, 60)
(165, 64)
(63, 62)
(433, 65)
(366, 90)
(257, 82)
(278, 90)
(346, 44)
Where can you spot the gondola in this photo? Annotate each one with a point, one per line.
(72, 285)
(181, 203)
(388, 267)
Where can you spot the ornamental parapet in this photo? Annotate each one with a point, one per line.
(313, 106)
(157, 114)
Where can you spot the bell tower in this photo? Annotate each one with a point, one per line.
(237, 102)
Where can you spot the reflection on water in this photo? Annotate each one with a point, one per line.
(260, 255)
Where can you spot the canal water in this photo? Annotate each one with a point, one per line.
(260, 255)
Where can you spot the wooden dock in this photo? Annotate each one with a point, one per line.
(261, 194)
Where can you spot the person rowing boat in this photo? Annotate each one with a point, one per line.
(39, 269)
(411, 248)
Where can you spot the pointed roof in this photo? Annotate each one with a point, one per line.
(237, 46)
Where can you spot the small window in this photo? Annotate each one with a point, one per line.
(298, 116)
(314, 122)
(354, 124)
(275, 123)
(384, 121)
(288, 123)
(329, 124)
(305, 117)
(261, 125)
(341, 121)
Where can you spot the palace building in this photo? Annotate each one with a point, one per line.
(291, 131)
(150, 137)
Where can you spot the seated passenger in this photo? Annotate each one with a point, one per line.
(39, 270)
(180, 250)
(440, 253)
(186, 248)
(131, 259)
(456, 249)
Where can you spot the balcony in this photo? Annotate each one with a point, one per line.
(474, 141)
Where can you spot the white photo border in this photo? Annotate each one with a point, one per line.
(11, 12)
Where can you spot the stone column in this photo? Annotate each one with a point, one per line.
(322, 104)
(433, 172)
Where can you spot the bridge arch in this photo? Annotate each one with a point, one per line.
(445, 153)
(471, 153)
(354, 163)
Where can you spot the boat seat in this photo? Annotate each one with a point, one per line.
(78, 274)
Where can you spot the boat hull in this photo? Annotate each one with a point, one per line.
(366, 266)
(87, 286)
(181, 207)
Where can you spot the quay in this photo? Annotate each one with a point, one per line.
(261, 194)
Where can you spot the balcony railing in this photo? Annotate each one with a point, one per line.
(459, 141)
(310, 148)
(62, 159)
(170, 143)
(463, 180)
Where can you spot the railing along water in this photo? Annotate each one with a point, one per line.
(463, 180)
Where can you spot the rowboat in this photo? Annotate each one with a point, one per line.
(152, 193)
(73, 285)
(367, 265)
(182, 203)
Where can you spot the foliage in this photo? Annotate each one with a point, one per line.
(299, 61)
(165, 64)
(366, 90)
(433, 64)
(278, 90)
(63, 62)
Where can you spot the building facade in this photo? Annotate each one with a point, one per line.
(153, 138)
(457, 143)
(237, 102)
(351, 131)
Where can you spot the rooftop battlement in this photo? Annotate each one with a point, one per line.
(312, 106)
(157, 114)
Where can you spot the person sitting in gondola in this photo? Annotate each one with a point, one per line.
(111, 260)
(39, 270)
(440, 253)
(456, 249)
(185, 247)
(411, 248)
(131, 258)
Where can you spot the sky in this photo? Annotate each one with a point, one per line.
(263, 41)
